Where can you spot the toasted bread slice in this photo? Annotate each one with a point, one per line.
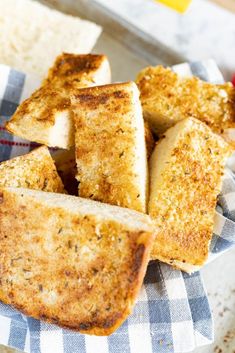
(66, 163)
(80, 262)
(168, 98)
(45, 116)
(110, 145)
(35, 170)
(77, 71)
(185, 178)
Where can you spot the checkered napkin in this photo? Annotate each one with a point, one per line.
(172, 313)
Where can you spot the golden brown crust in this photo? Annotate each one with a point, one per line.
(35, 118)
(75, 70)
(185, 170)
(35, 170)
(83, 270)
(41, 106)
(167, 98)
(110, 145)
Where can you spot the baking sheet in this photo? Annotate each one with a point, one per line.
(142, 44)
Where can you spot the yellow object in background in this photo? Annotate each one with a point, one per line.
(178, 5)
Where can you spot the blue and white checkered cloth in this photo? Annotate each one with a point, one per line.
(172, 313)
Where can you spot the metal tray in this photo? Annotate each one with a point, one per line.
(139, 42)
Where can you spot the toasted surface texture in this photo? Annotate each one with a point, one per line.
(35, 170)
(45, 116)
(186, 169)
(168, 98)
(76, 71)
(81, 262)
(27, 28)
(110, 145)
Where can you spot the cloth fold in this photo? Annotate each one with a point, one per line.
(172, 313)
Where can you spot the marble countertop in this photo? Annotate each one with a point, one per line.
(204, 31)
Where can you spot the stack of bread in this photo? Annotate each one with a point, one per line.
(148, 158)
